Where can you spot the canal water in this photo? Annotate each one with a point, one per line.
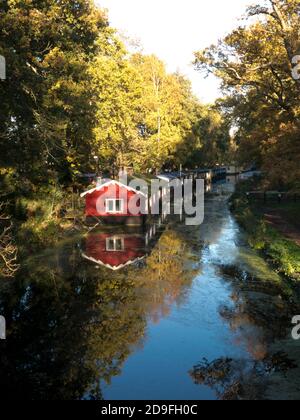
(172, 312)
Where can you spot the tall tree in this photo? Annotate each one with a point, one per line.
(47, 108)
(255, 65)
(168, 112)
(117, 88)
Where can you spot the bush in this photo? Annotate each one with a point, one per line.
(283, 253)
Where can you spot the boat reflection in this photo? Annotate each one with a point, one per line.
(118, 248)
(114, 251)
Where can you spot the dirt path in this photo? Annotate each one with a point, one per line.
(276, 220)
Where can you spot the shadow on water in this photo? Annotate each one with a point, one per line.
(122, 314)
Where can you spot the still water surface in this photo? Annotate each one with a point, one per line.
(133, 315)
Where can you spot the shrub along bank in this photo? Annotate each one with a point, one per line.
(282, 252)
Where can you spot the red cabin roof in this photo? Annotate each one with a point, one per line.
(110, 199)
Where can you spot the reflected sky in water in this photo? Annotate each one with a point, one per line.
(193, 328)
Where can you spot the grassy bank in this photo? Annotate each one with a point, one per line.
(282, 252)
(40, 221)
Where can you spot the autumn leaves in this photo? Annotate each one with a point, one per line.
(259, 66)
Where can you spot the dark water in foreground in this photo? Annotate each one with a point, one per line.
(132, 315)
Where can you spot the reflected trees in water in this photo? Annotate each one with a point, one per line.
(72, 324)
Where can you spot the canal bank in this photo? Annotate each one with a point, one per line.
(272, 227)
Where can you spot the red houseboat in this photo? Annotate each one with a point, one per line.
(109, 203)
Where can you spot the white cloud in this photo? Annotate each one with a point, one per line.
(174, 29)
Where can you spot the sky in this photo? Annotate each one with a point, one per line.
(174, 29)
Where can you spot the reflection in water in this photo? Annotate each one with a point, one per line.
(98, 311)
(66, 330)
(119, 248)
(70, 323)
(240, 379)
(114, 251)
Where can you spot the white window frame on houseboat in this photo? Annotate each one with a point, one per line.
(114, 201)
(115, 248)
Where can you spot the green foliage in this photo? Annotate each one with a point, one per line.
(282, 252)
(212, 135)
(167, 112)
(118, 91)
(73, 91)
(47, 108)
(286, 253)
(34, 236)
(146, 117)
(254, 63)
(39, 223)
